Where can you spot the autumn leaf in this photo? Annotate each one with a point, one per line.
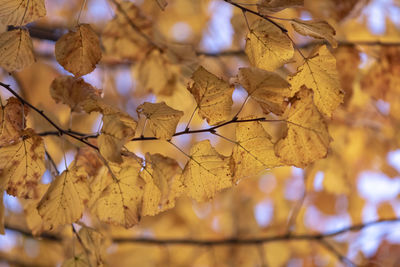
(269, 89)
(267, 47)
(11, 121)
(120, 39)
(120, 202)
(93, 241)
(73, 91)
(16, 50)
(163, 183)
(80, 260)
(213, 96)
(65, 199)
(162, 4)
(307, 138)
(22, 165)
(162, 119)
(266, 7)
(21, 12)
(319, 74)
(316, 29)
(79, 51)
(117, 130)
(207, 172)
(254, 150)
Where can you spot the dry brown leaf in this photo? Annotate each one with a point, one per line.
(307, 137)
(269, 89)
(162, 119)
(11, 121)
(207, 172)
(267, 47)
(22, 165)
(319, 73)
(213, 96)
(79, 51)
(316, 29)
(21, 12)
(16, 50)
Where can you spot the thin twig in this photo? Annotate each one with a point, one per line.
(337, 253)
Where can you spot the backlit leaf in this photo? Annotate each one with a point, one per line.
(254, 151)
(11, 121)
(79, 51)
(72, 91)
(162, 119)
(117, 130)
(266, 7)
(307, 137)
(207, 172)
(65, 199)
(21, 12)
(120, 203)
(316, 29)
(267, 47)
(22, 165)
(213, 96)
(269, 89)
(16, 50)
(319, 74)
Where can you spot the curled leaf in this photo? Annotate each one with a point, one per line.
(213, 96)
(316, 29)
(162, 119)
(265, 7)
(267, 47)
(16, 50)
(79, 51)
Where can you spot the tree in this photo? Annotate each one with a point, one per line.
(191, 154)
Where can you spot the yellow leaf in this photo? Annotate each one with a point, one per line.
(79, 51)
(22, 165)
(11, 121)
(121, 40)
(207, 172)
(162, 4)
(163, 183)
(316, 29)
(307, 138)
(162, 119)
(254, 151)
(120, 203)
(93, 241)
(72, 91)
(33, 219)
(213, 96)
(266, 7)
(21, 12)
(65, 199)
(269, 89)
(267, 47)
(319, 73)
(117, 130)
(80, 260)
(16, 50)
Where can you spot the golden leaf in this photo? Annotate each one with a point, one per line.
(16, 50)
(21, 12)
(269, 89)
(265, 7)
(33, 220)
(120, 39)
(207, 172)
(117, 130)
(254, 151)
(65, 199)
(11, 121)
(316, 29)
(22, 165)
(267, 47)
(93, 241)
(79, 51)
(307, 138)
(213, 96)
(162, 119)
(163, 183)
(319, 73)
(72, 91)
(120, 203)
